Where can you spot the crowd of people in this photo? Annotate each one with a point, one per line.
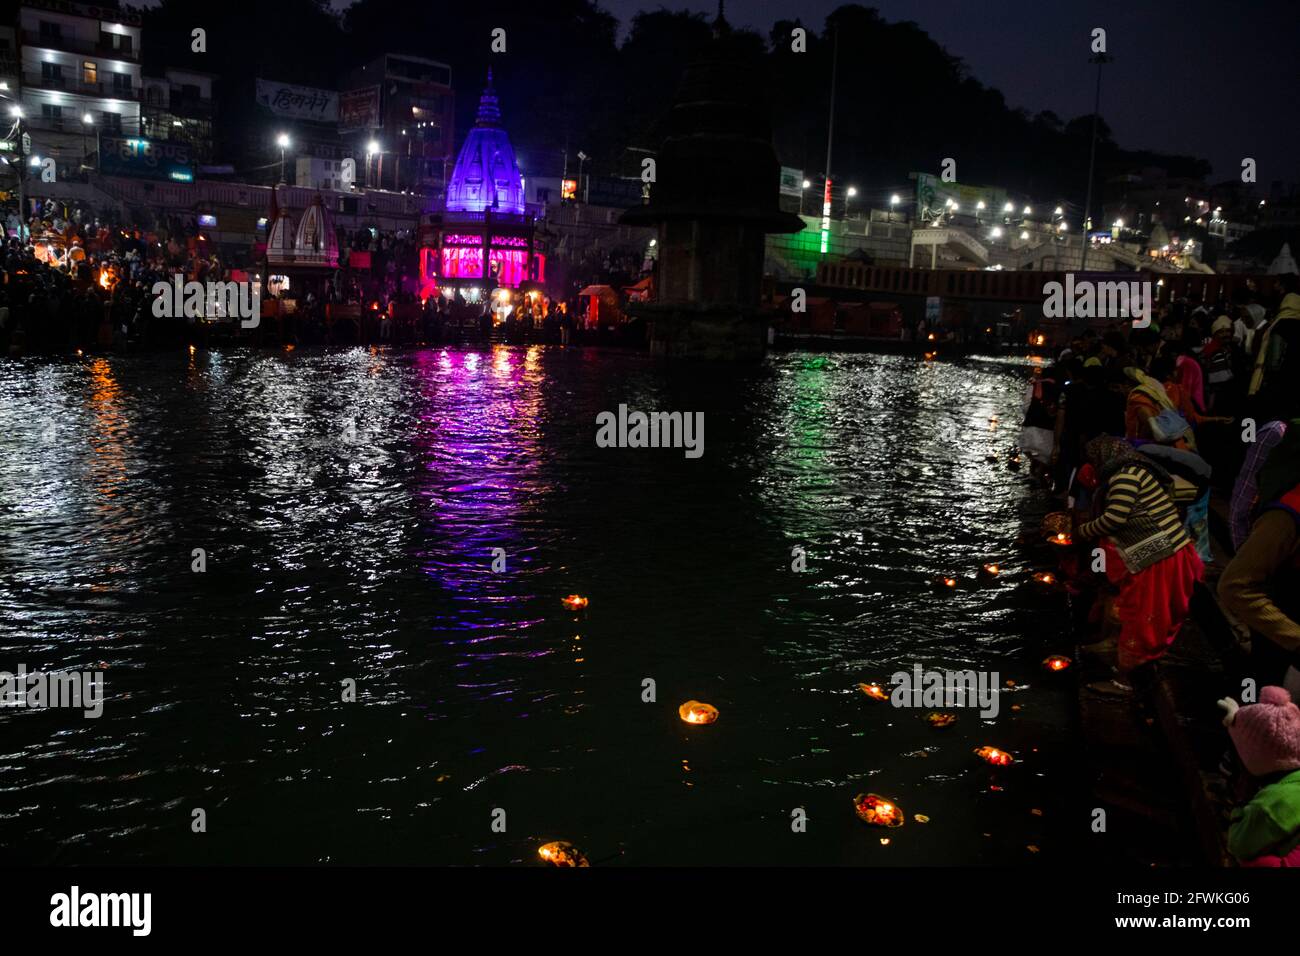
(1134, 429)
(78, 279)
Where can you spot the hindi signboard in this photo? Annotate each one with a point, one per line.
(298, 102)
(150, 158)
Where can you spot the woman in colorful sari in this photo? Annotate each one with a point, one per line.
(1149, 555)
(1147, 401)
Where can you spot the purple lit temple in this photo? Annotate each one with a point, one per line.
(484, 235)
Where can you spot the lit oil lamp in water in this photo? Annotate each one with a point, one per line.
(561, 853)
(697, 712)
(1045, 578)
(1061, 538)
(1057, 662)
(939, 719)
(574, 602)
(878, 811)
(990, 570)
(874, 691)
(994, 756)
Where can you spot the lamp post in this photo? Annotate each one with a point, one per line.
(17, 113)
(86, 121)
(582, 159)
(372, 147)
(830, 136)
(283, 142)
(1099, 59)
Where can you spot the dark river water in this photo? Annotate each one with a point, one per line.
(349, 502)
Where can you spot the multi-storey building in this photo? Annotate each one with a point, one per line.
(404, 105)
(178, 106)
(79, 75)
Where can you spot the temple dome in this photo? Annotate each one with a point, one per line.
(486, 176)
(315, 243)
(279, 238)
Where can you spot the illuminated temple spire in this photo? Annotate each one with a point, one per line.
(489, 110)
(486, 176)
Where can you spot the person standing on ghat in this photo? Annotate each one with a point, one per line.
(1148, 553)
(1261, 585)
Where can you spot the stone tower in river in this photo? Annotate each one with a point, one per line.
(714, 200)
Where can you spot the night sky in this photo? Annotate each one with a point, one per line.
(1211, 79)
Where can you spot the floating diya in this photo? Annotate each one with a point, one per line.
(994, 756)
(1060, 538)
(878, 811)
(1045, 578)
(697, 712)
(574, 602)
(990, 570)
(944, 584)
(874, 691)
(939, 719)
(561, 853)
(1056, 662)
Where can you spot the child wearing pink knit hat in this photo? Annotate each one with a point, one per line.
(1266, 831)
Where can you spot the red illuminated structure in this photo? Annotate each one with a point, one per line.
(484, 237)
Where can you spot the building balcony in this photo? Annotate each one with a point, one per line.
(67, 44)
(74, 84)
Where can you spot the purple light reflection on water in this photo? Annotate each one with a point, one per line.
(480, 488)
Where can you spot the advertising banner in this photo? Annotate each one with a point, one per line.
(791, 181)
(359, 109)
(932, 195)
(298, 102)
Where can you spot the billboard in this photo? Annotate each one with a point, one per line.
(932, 195)
(613, 191)
(359, 109)
(298, 102)
(791, 181)
(149, 158)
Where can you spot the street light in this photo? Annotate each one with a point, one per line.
(86, 120)
(372, 147)
(582, 159)
(283, 142)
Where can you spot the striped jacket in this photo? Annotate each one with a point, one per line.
(1140, 518)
